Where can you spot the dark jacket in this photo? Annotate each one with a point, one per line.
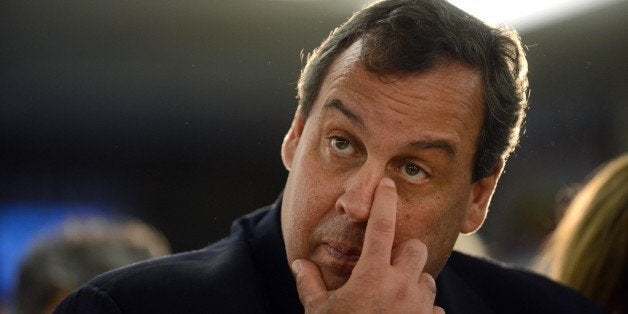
(247, 272)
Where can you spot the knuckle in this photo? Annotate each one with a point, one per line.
(428, 282)
(402, 292)
(373, 278)
(416, 250)
(309, 301)
(384, 225)
(420, 246)
(413, 250)
(300, 282)
(404, 289)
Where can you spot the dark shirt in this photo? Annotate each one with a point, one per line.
(248, 272)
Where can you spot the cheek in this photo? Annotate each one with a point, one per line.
(433, 220)
(435, 224)
(310, 198)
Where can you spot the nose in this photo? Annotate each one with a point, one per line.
(359, 189)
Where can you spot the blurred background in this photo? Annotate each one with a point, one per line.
(174, 112)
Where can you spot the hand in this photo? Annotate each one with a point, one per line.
(382, 281)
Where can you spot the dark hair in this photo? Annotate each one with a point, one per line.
(408, 36)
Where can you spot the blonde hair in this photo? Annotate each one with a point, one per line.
(588, 249)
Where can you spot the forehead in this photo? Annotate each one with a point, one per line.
(447, 98)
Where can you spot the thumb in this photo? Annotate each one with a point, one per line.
(310, 285)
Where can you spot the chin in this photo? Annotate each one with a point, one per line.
(334, 281)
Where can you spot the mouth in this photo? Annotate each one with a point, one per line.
(341, 255)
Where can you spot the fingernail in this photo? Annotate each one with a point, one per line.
(388, 182)
(296, 267)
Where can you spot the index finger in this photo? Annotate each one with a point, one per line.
(380, 228)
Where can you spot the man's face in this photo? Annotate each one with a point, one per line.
(421, 130)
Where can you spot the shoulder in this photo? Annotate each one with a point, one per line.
(218, 277)
(505, 287)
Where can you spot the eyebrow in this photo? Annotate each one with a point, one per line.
(447, 147)
(336, 104)
(443, 145)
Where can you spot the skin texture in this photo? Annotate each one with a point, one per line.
(385, 158)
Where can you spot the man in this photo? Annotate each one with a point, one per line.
(406, 116)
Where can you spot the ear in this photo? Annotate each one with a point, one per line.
(291, 140)
(481, 193)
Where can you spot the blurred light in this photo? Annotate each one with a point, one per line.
(523, 15)
(528, 14)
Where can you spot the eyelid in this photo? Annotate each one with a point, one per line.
(399, 168)
(333, 136)
(344, 135)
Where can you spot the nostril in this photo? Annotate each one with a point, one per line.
(361, 215)
(356, 208)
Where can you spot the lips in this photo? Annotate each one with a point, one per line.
(341, 255)
(344, 251)
(337, 246)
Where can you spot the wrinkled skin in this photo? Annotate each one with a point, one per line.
(418, 132)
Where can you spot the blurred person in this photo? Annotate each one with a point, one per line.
(588, 251)
(80, 250)
(471, 244)
(406, 116)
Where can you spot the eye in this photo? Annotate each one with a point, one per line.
(341, 145)
(413, 172)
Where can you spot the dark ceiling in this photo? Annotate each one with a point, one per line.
(175, 111)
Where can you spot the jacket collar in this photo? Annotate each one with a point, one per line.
(455, 295)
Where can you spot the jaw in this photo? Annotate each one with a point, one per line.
(335, 262)
(333, 279)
